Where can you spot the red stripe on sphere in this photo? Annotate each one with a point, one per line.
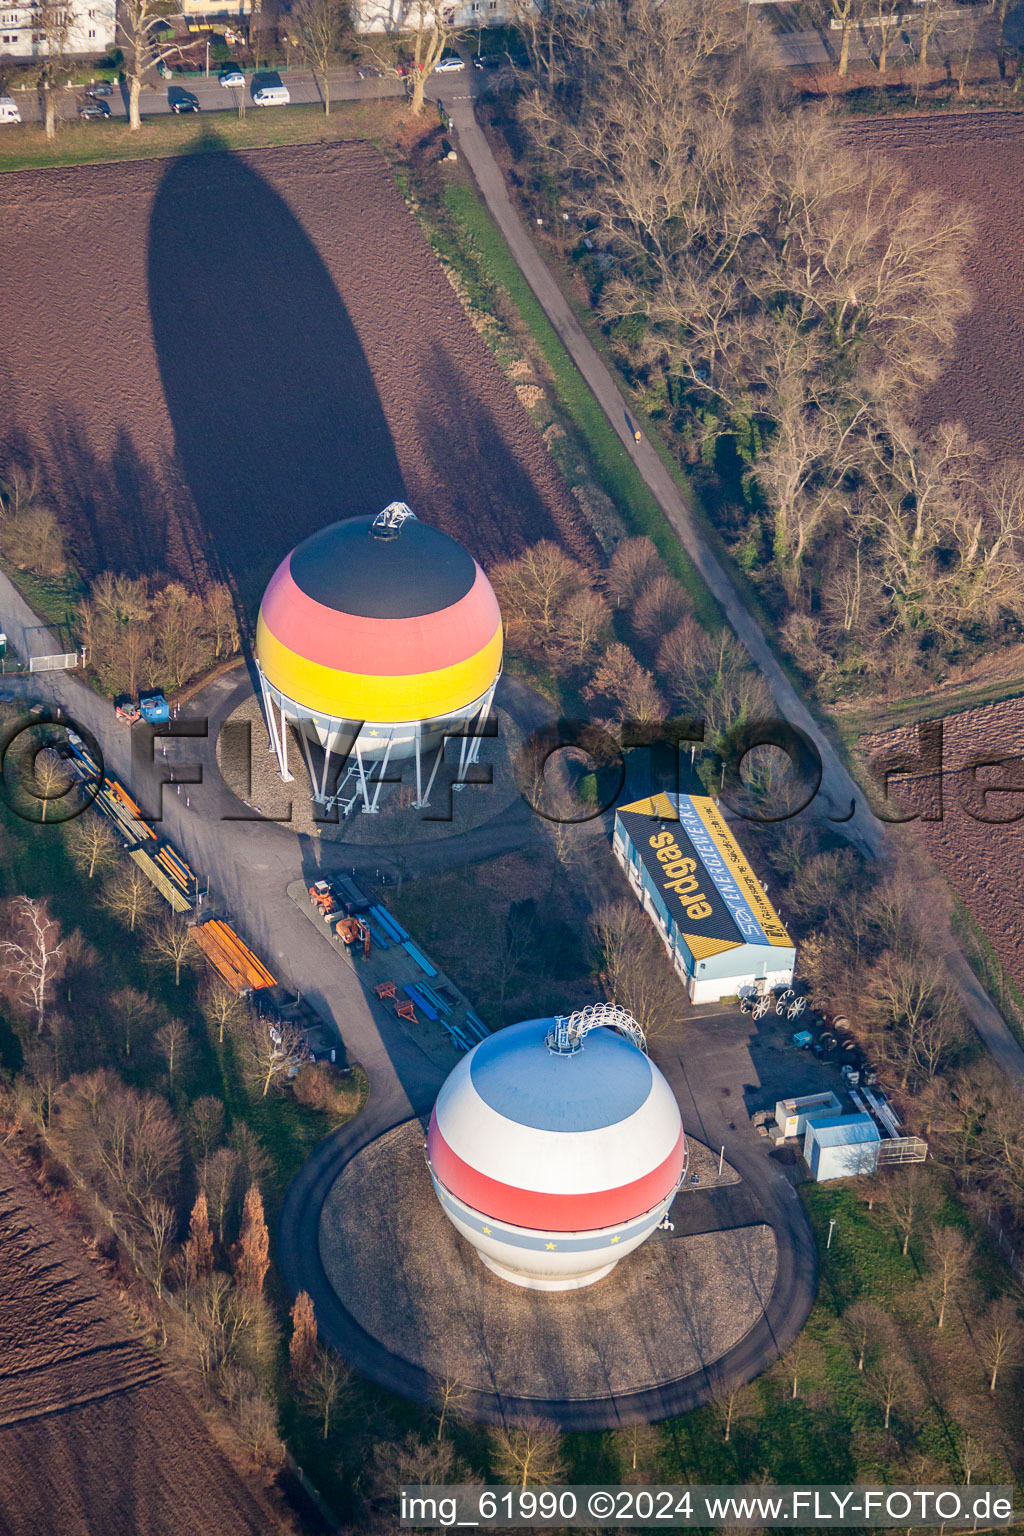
(549, 1212)
(380, 647)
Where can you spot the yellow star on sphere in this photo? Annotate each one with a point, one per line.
(487, 1231)
(549, 1245)
(615, 1238)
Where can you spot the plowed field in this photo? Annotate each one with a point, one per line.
(976, 834)
(975, 158)
(215, 355)
(94, 1436)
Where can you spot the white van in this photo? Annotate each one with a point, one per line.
(271, 96)
(9, 110)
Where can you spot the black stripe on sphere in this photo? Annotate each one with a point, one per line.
(346, 568)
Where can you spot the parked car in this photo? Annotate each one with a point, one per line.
(270, 95)
(184, 101)
(9, 110)
(232, 78)
(101, 88)
(488, 60)
(449, 63)
(95, 109)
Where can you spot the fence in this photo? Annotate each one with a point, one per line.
(63, 662)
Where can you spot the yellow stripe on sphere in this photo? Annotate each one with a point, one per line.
(359, 696)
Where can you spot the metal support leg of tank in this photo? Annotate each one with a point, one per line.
(419, 768)
(367, 807)
(469, 752)
(381, 771)
(310, 765)
(278, 738)
(438, 755)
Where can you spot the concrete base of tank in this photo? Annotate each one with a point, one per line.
(424, 1308)
(539, 1283)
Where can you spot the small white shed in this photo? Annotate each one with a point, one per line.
(791, 1115)
(841, 1148)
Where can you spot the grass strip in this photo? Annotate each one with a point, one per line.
(617, 476)
(89, 143)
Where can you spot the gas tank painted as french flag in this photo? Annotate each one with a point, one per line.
(552, 1165)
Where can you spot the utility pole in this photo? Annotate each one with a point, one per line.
(831, 1224)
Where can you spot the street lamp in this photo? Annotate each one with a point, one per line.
(831, 1225)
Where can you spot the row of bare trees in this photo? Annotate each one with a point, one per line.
(140, 636)
(789, 296)
(562, 615)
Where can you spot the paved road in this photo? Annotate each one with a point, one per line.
(839, 793)
(213, 97)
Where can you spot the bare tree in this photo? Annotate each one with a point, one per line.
(527, 1452)
(326, 1384)
(255, 1419)
(449, 1395)
(219, 1176)
(635, 970)
(632, 567)
(33, 956)
(136, 1013)
(1000, 1339)
(173, 940)
(222, 1009)
(628, 688)
(867, 1326)
(221, 619)
(92, 845)
(126, 1143)
(431, 23)
(52, 22)
(533, 591)
(129, 895)
(949, 1258)
(198, 1253)
(173, 1042)
(888, 1379)
(181, 645)
(661, 604)
(206, 1124)
(269, 1053)
(641, 1444)
(583, 628)
(142, 30)
(160, 1224)
(909, 1198)
(320, 26)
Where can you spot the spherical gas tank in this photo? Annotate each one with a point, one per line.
(385, 619)
(554, 1165)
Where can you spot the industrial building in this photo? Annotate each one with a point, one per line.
(376, 637)
(556, 1146)
(722, 933)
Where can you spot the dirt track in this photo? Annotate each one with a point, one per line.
(215, 355)
(977, 158)
(94, 1436)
